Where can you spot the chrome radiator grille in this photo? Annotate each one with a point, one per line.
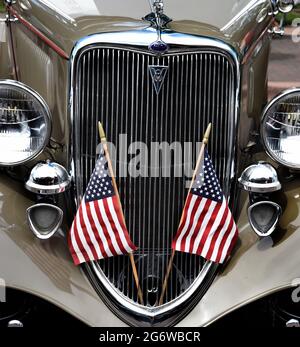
(113, 85)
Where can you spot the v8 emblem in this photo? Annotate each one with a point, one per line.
(158, 74)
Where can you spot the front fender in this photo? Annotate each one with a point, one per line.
(43, 268)
(258, 267)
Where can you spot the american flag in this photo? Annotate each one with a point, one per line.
(207, 227)
(98, 230)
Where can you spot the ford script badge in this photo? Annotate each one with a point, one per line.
(159, 47)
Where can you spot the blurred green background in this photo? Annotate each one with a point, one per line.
(289, 17)
(2, 8)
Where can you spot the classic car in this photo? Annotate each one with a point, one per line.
(152, 72)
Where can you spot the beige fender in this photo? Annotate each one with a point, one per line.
(44, 268)
(258, 267)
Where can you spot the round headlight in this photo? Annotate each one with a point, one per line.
(24, 123)
(280, 128)
(286, 6)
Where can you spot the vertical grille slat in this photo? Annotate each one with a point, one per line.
(113, 85)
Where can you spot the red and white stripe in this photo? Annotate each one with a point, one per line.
(98, 231)
(207, 229)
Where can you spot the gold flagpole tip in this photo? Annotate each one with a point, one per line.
(207, 134)
(101, 131)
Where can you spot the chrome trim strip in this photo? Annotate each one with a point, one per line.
(144, 37)
(141, 39)
(37, 32)
(150, 312)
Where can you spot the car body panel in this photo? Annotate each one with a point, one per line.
(52, 70)
(44, 268)
(258, 267)
(75, 11)
(50, 79)
(230, 20)
(6, 66)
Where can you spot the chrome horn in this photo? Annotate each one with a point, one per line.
(261, 180)
(46, 180)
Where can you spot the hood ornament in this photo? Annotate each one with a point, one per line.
(159, 20)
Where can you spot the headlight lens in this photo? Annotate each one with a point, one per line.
(281, 128)
(286, 6)
(24, 123)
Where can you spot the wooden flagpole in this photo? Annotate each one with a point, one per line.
(169, 268)
(110, 168)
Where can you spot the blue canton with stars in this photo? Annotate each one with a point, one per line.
(206, 183)
(100, 185)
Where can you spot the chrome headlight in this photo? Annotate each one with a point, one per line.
(283, 6)
(280, 128)
(286, 6)
(24, 123)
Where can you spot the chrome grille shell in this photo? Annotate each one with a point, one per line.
(197, 55)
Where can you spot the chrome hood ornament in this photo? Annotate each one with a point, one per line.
(158, 20)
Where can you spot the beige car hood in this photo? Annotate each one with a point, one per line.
(65, 22)
(214, 12)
